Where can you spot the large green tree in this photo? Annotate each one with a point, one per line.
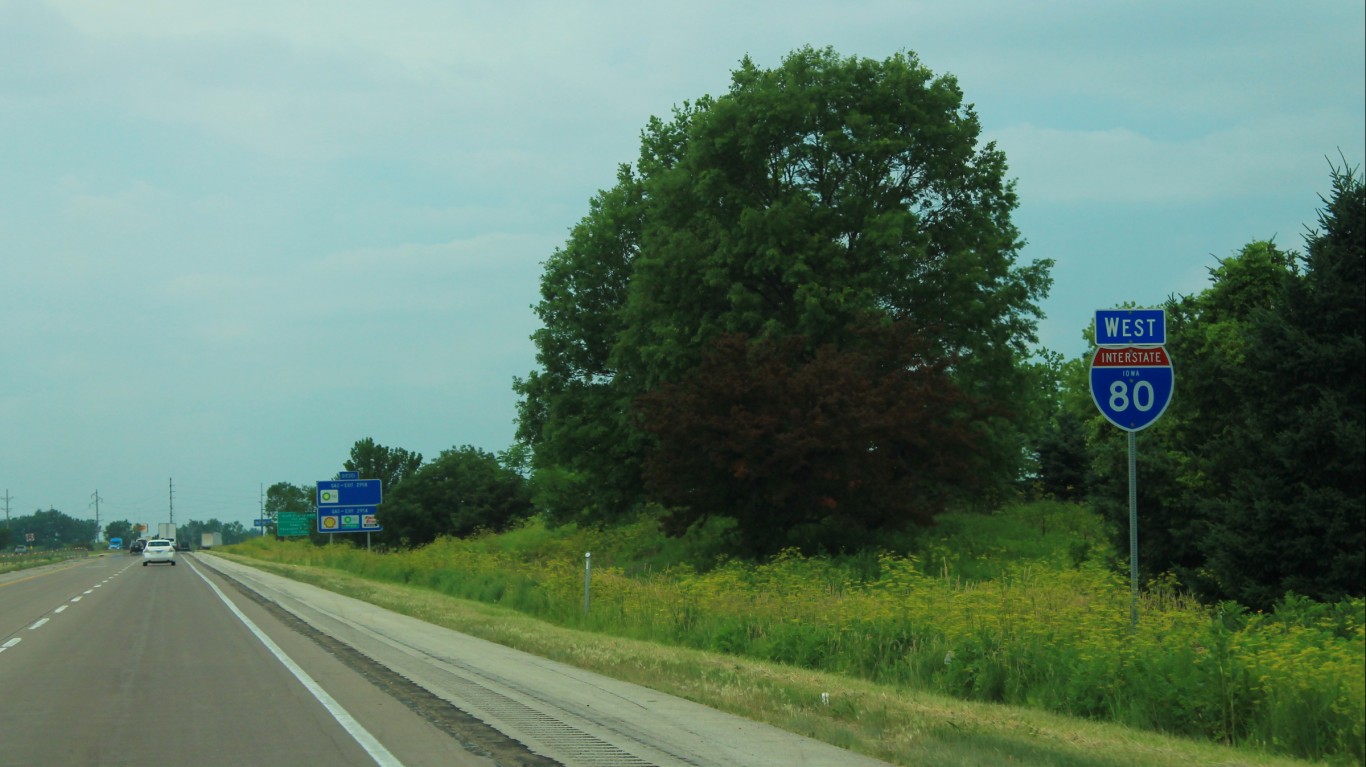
(1208, 336)
(1294, 515)
(573, 413)
(52, 529)
(463, 491)
(390, 465)
(121, 529)
(816, 200)
(1251, 484)
(288, 497)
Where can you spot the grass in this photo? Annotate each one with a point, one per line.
(898, 725)
(1014, 608)
(14, 562)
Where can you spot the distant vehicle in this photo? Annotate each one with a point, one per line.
(20, 549)
(182, 545)
(166, 531)
(137, 546)
(158, 550)
(209, 540)
(115, 544)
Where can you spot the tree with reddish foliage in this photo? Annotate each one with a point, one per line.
(810, 448)
(800, 212)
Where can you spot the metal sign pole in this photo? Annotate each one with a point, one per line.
(1133, 531)
(1131, 383)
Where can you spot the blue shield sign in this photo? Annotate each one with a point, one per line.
(1132, 386)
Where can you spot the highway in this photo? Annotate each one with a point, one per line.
(106, 662)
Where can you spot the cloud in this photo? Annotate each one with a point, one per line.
(1250, 158)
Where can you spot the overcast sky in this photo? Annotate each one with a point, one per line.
(236, 237)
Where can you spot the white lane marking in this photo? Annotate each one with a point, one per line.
(39, 624)
(11, 643)
(60, 609)
(76, 599)
(372, 746)
(88, 591)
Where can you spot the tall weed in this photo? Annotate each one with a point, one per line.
(1042, 631)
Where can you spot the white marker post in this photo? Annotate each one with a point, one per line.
(587, 577)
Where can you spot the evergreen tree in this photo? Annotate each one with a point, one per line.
(1293, 516)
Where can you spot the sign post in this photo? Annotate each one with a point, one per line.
(1131, 383)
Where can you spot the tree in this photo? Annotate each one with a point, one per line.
(1252, 482)
(1061, 407)
(52, 529)
(813, 201)
(1294, 515)
(572, 412)
(121, 529)
(1208, 336)
(390, 465)
(463, 491)
(283, 497)
(818, 450)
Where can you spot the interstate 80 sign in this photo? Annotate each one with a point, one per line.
(1132, 384)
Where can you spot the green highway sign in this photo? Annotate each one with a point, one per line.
(290, 523)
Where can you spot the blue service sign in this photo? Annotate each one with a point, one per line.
(348, 519)
(1132, 386)
(1131, 327)
(355, 492)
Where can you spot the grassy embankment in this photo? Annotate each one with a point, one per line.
(1015, 608)
(12, 562)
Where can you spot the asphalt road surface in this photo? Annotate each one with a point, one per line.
(106, 662)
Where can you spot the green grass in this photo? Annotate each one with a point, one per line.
(901, 726)
(1013, 608)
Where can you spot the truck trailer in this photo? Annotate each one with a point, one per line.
(209, 540)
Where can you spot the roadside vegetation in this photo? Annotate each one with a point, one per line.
(787, 392)
(10, 562)
(1020, 607)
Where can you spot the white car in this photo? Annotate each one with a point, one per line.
(158, 550)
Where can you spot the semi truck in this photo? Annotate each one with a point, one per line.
(209, 540)
(166, 531)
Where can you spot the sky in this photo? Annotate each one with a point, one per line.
(235, 238)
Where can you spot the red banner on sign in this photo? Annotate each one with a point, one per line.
(1132, 356)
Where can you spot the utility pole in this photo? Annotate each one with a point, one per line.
(262, 514)
(96, 496)
(171, 483)
(7, 500)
